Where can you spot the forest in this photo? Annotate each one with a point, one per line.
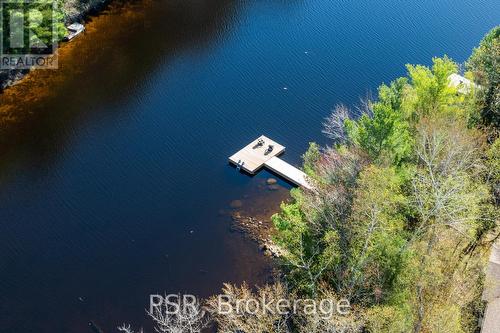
(404, 208)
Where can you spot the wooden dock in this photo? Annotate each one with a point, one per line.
(252, 157)
(258, 154)
(287, 171)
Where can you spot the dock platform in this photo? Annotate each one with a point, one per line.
(256, 155)
(252, 157)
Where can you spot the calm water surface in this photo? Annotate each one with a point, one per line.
(115, 183)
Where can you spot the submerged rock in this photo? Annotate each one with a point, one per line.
(236, 204)
(273, 187)
(271, 181)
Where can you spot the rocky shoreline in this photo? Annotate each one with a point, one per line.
(9, 77)
(258, 231)
(257, 225)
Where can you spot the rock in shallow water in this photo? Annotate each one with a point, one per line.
(271, 181)
(236, 204)
(271, 250)
(273, 187)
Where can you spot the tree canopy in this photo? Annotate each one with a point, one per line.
(485, 67)
(403, 209)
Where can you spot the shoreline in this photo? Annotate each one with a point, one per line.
(11, 77)
(258, 231)
(251, 217)
(31, 98)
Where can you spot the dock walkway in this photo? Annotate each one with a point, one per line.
(287, 171)
(258, 154)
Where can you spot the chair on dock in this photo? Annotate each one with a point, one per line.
(269, 150)
(259, 144)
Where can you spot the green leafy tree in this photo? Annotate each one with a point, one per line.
(377, 239)
(310, 158)
(485, 66)
(402, 211)
(43, 19)
(431, 92)
(382, 131)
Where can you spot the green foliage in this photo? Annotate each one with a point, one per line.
(389, 319)
(447, 186)
(485, 66)
(311, 157)
(493, 161)
(43, 19)
(431, 92)
(307, 254)
(317, 244)
(377, 234)
(384, 134)
(401, 209)
(290, 223)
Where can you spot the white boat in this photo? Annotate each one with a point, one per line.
(74, 30)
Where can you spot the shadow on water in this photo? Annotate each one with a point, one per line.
(114, 183)
(268, 171)
(121, 48)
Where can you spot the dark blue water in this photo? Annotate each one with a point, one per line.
(118, 185)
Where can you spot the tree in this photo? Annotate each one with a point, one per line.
(310, 158)
(328, 321)
(334, 124)
(184, 316)
(449, 198)
(447, 188)
(307, 253)
(382, 130)
(401, 209)
(485, 67)
(430, 91)
(279, 311)
(44, 19)
(389, 319)
(377, 237)
(493, 165)
(348, 231)
(245, 315)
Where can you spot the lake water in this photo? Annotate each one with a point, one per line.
(114, 182)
